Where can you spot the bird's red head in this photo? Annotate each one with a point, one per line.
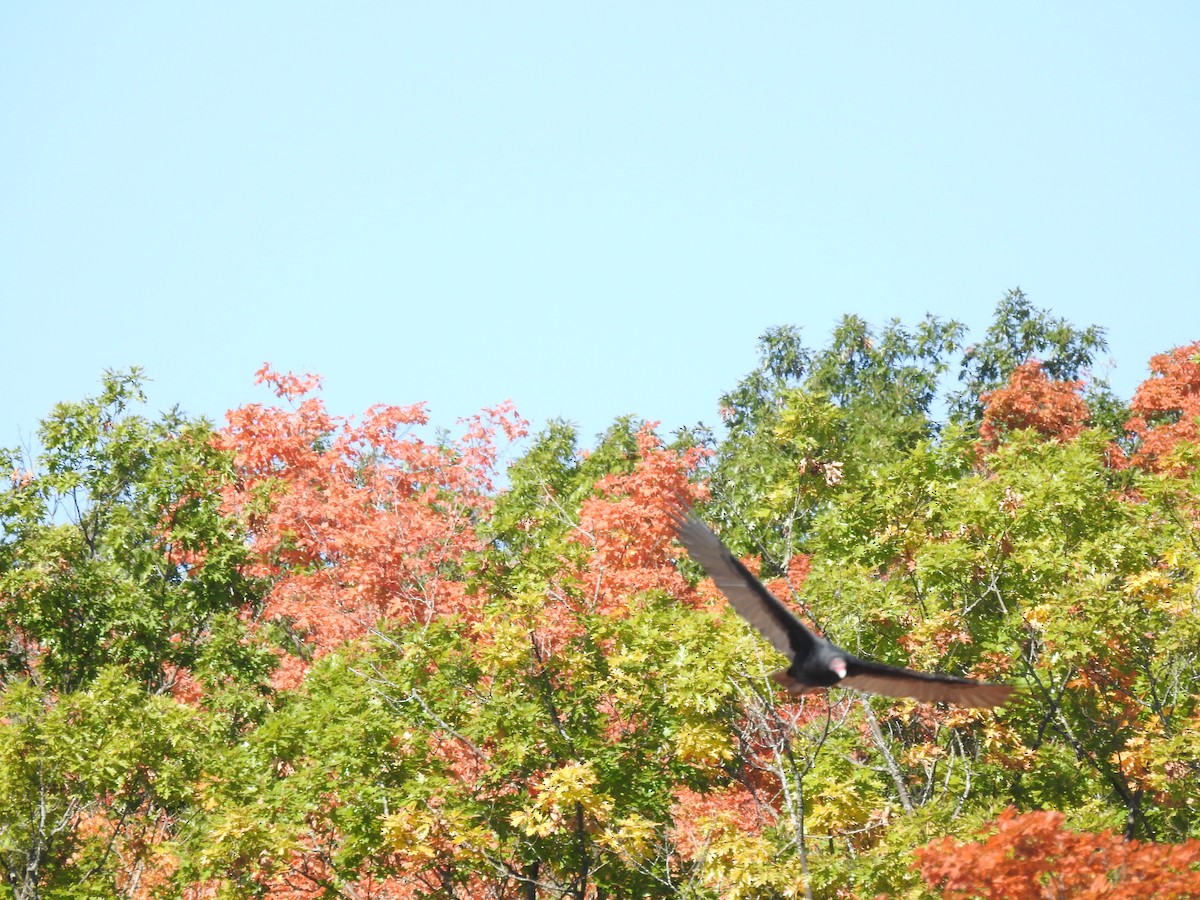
(838, 665)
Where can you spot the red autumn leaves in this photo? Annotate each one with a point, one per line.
(353, 523)
(1165, 407)
(1034, 856)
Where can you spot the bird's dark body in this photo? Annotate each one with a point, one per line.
(815, 669)
(815, 662)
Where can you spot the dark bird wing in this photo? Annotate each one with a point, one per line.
(787, 634)
(892, 681)
(753, 602)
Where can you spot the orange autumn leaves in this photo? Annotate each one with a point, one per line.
(1165, 408)
(1031, 400)
(1034, 856)
(632, 539)
(353, 522)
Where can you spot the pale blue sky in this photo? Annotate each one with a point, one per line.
(593, 209)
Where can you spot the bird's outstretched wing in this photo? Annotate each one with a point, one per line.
(753, 602)
(893, 681)
(790, 637)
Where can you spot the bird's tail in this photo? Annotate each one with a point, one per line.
(791, 684)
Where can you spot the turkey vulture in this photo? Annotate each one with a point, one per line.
(816, 663)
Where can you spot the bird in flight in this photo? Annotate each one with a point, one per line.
(815, 662)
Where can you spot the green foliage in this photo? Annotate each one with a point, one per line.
(885, 382)
(472, 762)
(85, 778)
(120, 583)
(1020, 332)
(805, 420)
(548, 482)
(115, 549)
(1041, 568)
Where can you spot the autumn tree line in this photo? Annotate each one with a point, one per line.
(299, 655)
